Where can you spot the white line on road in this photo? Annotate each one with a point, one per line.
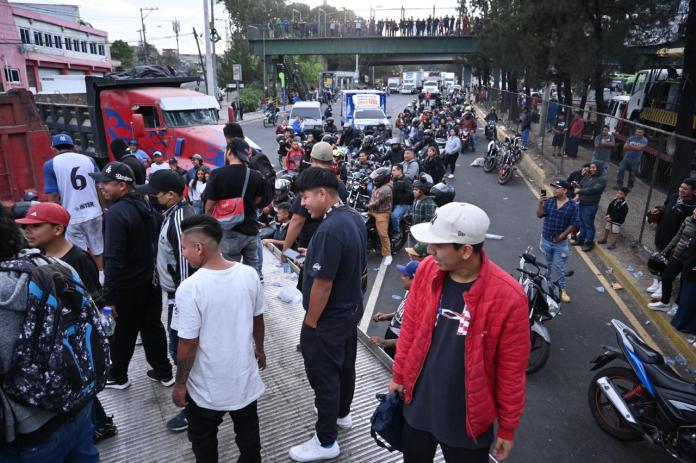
(372, 299)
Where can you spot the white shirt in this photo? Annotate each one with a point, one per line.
(197, 191)
(78, 192)
(154, 167)
(217, 307)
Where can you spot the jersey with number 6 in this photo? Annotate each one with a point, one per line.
(67, 174)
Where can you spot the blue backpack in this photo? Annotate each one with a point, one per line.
(387, 422)
(61, 352)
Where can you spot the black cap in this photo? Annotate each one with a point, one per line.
(561, 184)
(240, 148)
(114, 172)
(173, 161)
(163, 180)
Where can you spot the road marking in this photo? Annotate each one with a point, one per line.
(372, 299)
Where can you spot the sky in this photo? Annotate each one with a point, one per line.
(121, 19)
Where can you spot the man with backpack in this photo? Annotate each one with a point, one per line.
(43, 415)
(168, 187)
(130, 287)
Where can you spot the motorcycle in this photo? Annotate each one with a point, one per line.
(270, 118)
(511, 155)
(440, 143)
(398, 240)
(646, 400)
(490, 131)
(544, 304)
(465, 138)
(492, 158)
(357, 191)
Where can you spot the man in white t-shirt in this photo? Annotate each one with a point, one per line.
(157, 163)
(221, 330)
(67, 182)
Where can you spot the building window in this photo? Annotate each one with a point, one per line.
(101, 50)
(48, 40)
(93, 48)
(58, 41)
(31, 78)
(83, 46)
(68, 44)
(38, 38)
(24, 33)
(76, 45)
(12, 75)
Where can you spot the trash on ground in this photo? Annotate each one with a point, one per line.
(616, 286)
(648, 322)
(290, 295)
(491, 236)
(630, 269)
(375, 269)
(396, 297)
(637, 275)
(478, 162)
(600, 289)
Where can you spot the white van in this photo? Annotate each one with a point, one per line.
(431, 86)
(310, 112)
(617, 108)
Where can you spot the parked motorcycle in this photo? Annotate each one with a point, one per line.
(270, 118)
(490, 131)
(465, 137)
(492, 158)
(398, 240)
(441, 143)
(644, 400)
(544, 304)
(511, 155)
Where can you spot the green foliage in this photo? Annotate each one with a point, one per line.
(239, 54)
(123, 52)
(251, 96)
(310, 68)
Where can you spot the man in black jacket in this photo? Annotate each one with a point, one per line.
(395, 154)
(402, 196)
(122, 153)
(588, 194)
(130, 244)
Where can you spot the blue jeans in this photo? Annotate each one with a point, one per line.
(70, 443)
(587, 225)
(399, 211)
(259, 250)
(631, 165)
(525, 138)
(556, 256)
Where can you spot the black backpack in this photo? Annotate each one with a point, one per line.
(61, 353)
(260, 163)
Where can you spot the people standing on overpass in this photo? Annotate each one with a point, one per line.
(463, 345)
(67, 181)
(332, 296)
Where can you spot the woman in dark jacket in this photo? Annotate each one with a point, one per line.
(685, 318)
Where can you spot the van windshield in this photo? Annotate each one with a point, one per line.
(191, 117)
(369, 114)
(305, 113)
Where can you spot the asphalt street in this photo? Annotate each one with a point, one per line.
(557, 425)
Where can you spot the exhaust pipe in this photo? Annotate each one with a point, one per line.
(616, 400)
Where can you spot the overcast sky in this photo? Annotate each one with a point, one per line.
(121, 19)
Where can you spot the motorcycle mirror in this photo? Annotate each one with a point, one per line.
(529, 258)
(570, 273)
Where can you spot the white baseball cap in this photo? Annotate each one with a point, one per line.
(457, 223)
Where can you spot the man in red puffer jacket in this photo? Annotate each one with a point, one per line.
(464, 345)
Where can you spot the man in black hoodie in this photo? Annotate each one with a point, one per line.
(130, 287)
(121, 153)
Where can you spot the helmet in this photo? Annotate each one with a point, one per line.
(443, 193)
(381, 126)
(424, 183)
(428, 132)
(657, 263)
(394, 141)
(368, 141)
(30, 196)
(328, 138)
(469, 109)
(279, 138)
(282, 184)
(381, 175)
(330, 120)
(338, 154)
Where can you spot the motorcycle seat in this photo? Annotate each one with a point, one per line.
(665, 377)
(644, 352)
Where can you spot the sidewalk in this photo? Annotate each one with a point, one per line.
(627, 263)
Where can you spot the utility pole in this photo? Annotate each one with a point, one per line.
(200, 59)
(213, 39)
(209, 69)
(177, 28)
(142, 22)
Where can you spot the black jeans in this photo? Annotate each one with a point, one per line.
(420, 447)
(329, 353)
(451, 161)
(173, 334)
(139, 309)
(671, 272)
(203, 428)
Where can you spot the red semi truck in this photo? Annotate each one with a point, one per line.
(157, 112)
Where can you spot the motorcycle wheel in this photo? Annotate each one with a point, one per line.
(604, 413)
(265, 122)
(398, 243)
(539, 353)
(505, 174)
(489, 164)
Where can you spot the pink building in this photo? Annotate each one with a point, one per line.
(48, 40)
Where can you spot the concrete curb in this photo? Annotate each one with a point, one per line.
(529, 168)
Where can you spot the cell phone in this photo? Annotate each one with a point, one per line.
(543, 192)
(293, 255)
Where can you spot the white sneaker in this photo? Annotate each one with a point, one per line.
(450, 176)
(659, 306)
(657, 294)
(313, 451)
(345, 423)
(387, 261)
(654, 286)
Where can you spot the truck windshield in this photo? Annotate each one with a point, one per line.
(369, 114)
(305, 113)
(190, 117)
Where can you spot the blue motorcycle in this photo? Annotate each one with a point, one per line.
(646, 399)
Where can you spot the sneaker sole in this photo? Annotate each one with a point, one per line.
(178, 429)
(660, 309)
(344, 427)
(165, 383)
(125, 385)
(318, 458)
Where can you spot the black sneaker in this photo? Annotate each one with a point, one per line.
(104, 432)
(116, 384)
(178, 423)
(165, 381)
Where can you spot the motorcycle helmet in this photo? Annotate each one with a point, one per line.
(657, 264)
(338, 154)
(368, 141)
(282, 184)
(328, 138)
(330, 120)
(442, 193)
(423, 186)
(380, 176)
(428, 133)
(279, 138)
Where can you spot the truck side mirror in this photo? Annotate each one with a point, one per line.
(138, 125)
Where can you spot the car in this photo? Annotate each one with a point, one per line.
(310, 112)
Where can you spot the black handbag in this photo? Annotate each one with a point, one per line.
(387, 422)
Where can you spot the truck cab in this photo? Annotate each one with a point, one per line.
(431, 86)
(644, 81)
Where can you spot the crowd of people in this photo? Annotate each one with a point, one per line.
(436, 26)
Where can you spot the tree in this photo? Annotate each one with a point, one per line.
(123, 52)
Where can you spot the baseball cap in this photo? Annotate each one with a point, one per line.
(46, 213)
(456, 223)
(62, 139)
(163, 180)
(240, 148)
(561, 184)
(418, 250)
(409, 269)
(322, 151)
(173, 161)
(114, 172)
(132, 141)
(157, 154)
(196, 156)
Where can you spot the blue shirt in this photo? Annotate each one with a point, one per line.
(635, 155)
(556, 220)
(141, 155)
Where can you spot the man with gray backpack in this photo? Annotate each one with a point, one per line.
(45, 310)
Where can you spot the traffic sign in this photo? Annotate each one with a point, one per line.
(237, 72)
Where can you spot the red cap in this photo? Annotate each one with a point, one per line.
(46, 213)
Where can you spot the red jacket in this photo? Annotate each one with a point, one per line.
(496, 346)
(576, 127)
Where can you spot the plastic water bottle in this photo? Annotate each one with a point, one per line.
(107, 321)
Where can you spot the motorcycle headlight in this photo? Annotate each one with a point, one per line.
(554, 308)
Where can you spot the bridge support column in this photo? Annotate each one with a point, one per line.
(496, 79)
(466, 75)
